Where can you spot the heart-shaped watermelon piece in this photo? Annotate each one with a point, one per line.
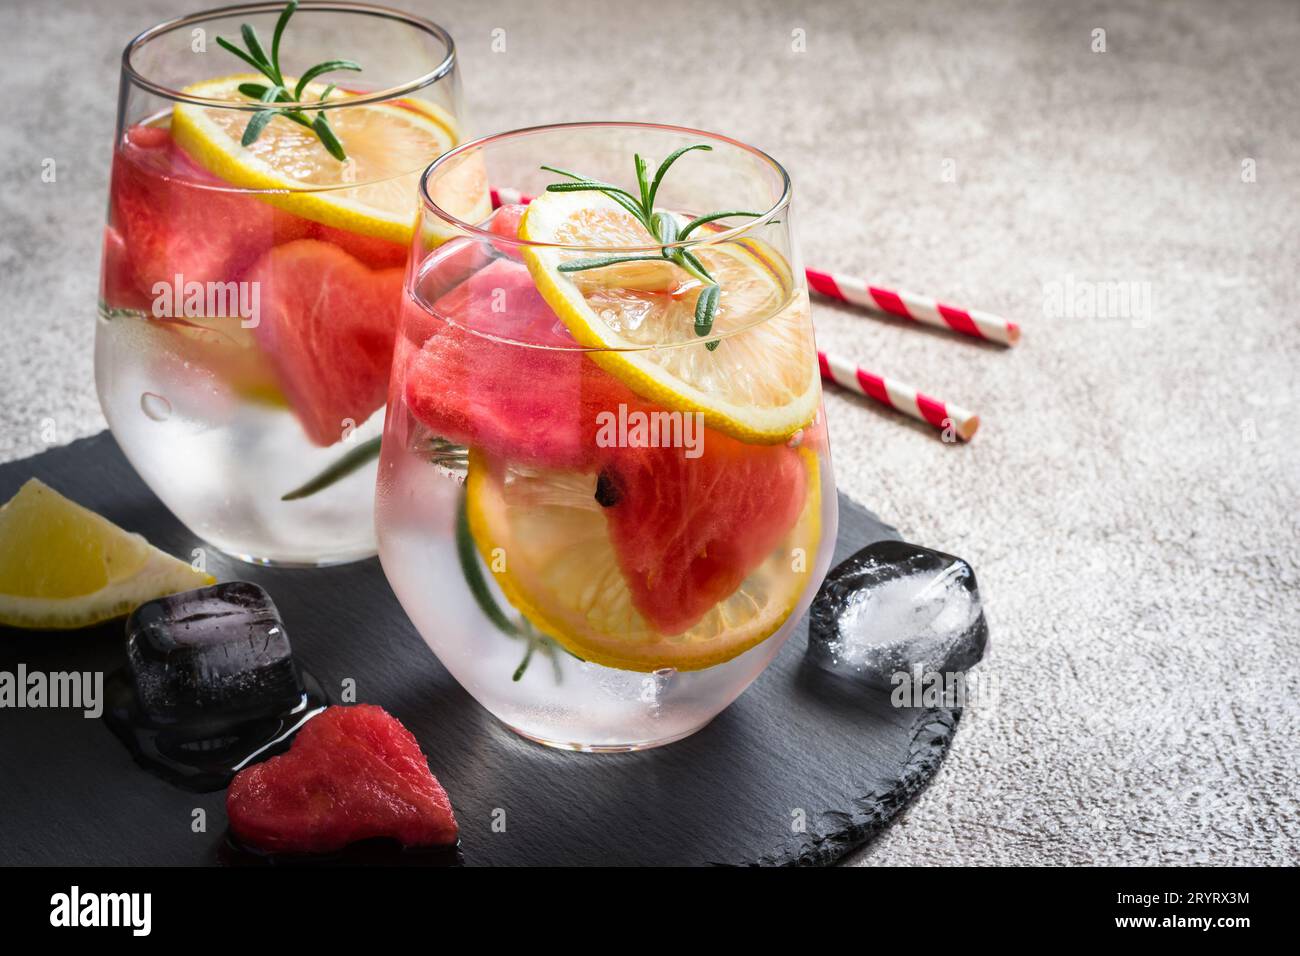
(352, 773)
(327, 321)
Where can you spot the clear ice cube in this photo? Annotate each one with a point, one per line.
(218, 653)
(894, 607)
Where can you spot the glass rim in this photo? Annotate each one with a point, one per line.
(140, 40)
(474, 229)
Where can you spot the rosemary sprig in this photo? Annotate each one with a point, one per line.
(438, 452)
(278, 92)
(346, 465)
(534, 640)
(662, 225)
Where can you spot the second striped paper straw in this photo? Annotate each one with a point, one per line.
(918, 308)
(900, 396)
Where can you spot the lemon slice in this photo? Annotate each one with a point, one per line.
(63, 566)
(761, 382)
(543, 536)
(371, 193)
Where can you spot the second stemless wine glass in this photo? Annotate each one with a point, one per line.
(602, 503)
(260, 214)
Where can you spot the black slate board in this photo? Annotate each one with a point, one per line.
(796, 741)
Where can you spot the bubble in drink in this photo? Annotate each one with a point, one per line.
(155, 406)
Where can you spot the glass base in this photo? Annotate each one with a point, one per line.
(604, 748)
(267, 562)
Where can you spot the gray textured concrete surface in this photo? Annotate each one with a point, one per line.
(1131, 502)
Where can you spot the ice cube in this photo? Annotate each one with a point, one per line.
(210, 685)
(894, 607)
(217, 653)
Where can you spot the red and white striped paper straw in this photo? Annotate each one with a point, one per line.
(918, 308)
(900, 396)
(909, 305)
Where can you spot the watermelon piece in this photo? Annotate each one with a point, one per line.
(148, 137)
(176, 218)
(352, 773)
(446, 267)
(505, 223)
(688, 531)
(117, 286)
(328, 323)
(530, 405)
(375, 252)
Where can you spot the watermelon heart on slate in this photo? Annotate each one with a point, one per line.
(352, 773)
(328, 323)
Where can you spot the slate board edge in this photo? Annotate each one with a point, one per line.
(932, 734)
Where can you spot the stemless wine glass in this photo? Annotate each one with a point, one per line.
(602, 509)
(258, 229)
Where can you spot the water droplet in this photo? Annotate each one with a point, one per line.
(155, 406)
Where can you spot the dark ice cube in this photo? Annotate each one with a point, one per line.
(218, 653)
(894, 607)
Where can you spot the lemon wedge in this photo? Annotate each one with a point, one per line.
(546, 542)
(371, 193)
(760, 384)
(63, 566)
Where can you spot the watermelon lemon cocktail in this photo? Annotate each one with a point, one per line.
(605, 493)
(254, 259)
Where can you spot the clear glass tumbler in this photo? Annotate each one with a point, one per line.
(605, 494)
(260, 215)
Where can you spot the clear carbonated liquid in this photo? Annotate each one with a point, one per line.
(219, 459)
(558, 699)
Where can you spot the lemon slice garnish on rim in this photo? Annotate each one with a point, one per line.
(561, 570)
(63, 566)
(371, 193)
(760, 384)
